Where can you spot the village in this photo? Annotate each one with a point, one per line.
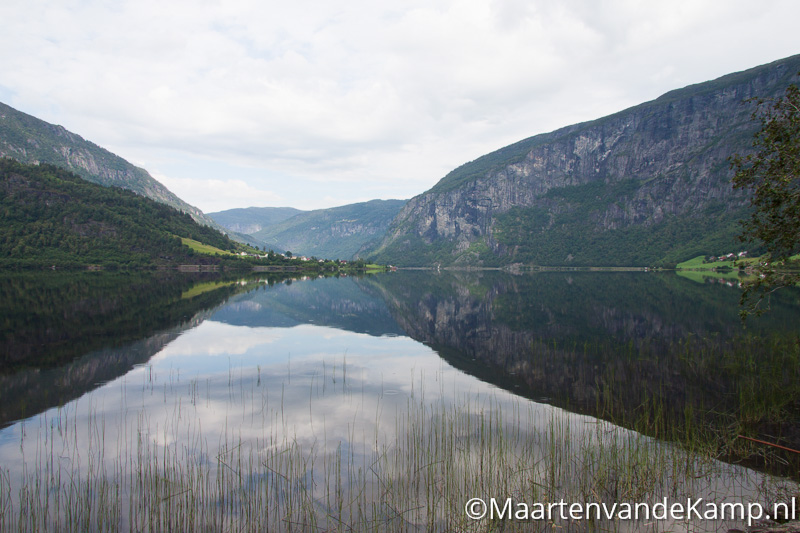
(725, 257)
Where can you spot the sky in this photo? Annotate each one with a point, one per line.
(315, 104)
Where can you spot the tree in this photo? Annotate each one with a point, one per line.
(772, 175)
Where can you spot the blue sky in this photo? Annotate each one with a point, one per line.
(314, 104)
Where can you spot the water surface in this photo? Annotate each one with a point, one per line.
(324, 392)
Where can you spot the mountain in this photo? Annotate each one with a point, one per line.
(252, 219)
(648, 185)
(335, 233)
(30, 140)
(49, 216)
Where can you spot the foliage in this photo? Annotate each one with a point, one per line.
(30, 140)
(414, 250)
(53, 217)
(557, 237)
(772, 174)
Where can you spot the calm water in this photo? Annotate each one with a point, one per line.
(323, 384)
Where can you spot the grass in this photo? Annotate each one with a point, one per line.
(755, 394)
(695, 262)
(698, 263)
(412, 469)
(696, 269)
(207, 249)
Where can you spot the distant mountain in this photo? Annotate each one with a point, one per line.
(49, 216)
(252, 219)
(335, 233)
(648, 185)
(30, 140)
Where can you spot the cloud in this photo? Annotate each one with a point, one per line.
(219, 194)
(217, 339)
(330, 95)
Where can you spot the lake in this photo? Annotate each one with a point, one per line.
(175, 401)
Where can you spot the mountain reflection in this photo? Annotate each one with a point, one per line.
(655, 352)
(334, 302)
(623, 346)
(64, 334)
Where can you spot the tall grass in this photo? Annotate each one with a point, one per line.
(409, 464)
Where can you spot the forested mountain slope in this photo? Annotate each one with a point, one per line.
(31, 140)
(49, 216)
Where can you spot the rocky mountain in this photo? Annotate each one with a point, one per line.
(252, 219)
(335, 233)
(648, 185)
(30, 140)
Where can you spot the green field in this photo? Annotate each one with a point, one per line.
(697, 263)
(199, 247)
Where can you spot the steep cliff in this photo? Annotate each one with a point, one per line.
(30, 140)
(644, 186)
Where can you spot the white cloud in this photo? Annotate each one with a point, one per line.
(331, 96)
(218, 194)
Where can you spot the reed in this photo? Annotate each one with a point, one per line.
(412, 467)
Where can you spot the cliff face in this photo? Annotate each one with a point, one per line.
(656, 172)
(30, 140)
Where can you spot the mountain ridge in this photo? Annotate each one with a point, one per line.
(50, 216)
(28, 139)
(643, 186)
(248, 220)
(336, 232)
